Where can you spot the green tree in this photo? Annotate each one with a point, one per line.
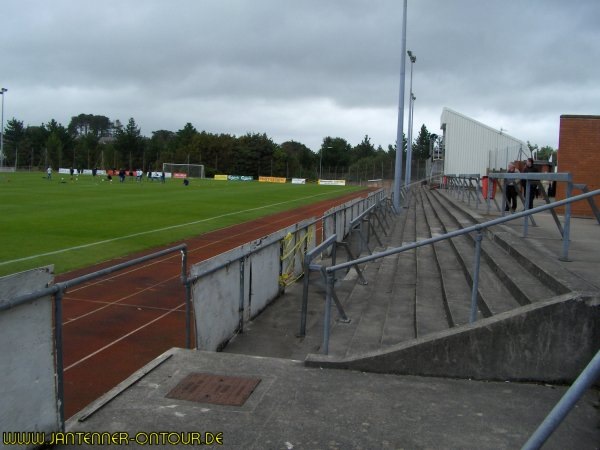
(90, 124)
(160, 149)
(545, 153)
(59, 145)
(300, 161)
(35, 142)
(421, 146)
(220, 154)
(186, 151)
(254, 155)
(363, 150)
(87, 131)
(14, 137)
(130, 145)
(334, 157)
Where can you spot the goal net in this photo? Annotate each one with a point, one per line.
(191, 170)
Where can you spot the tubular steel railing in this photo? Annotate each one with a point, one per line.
(584, 381)
(587, 377)
(59, 289)
(338, 218)
(378, 211)
(329, 272)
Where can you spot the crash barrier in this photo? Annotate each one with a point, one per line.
(467, 187)
(478, 228)
(36, 310)
(584, 381)
(363, 224)
(232, 288)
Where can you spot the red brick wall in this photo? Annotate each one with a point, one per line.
(579, 154)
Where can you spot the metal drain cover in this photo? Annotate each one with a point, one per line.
(216, 389)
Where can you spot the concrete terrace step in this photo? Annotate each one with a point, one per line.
(417, 293)
(528, 255)
(522, 286)
(493, 296)
(427, 290)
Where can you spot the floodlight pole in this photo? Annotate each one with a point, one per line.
(400, 131)
(2, 91)
(411, 104)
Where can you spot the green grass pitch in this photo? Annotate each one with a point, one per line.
(79, 222)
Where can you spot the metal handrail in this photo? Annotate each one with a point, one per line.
(583, 382)
(466, 230)
(330, 271)
(59, 289)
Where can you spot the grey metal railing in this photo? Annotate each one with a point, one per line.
(464, 185)
(376, 212)
(584, 381)
(587, 377)
(329, 272)
(335, 223)
(59, 289)
(307, 265)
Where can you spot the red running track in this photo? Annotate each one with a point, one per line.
(115, 325)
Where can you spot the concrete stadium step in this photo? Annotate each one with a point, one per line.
(422, 291)
(502, 284)
(525, 286)
(430, 301)
(455, 288)
(530, 254)
(373, 308)
(427, 290)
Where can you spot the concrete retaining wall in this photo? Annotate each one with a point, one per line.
(550, 341)
(233, 287)
(29, 398)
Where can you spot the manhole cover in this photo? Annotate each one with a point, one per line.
(216, 389)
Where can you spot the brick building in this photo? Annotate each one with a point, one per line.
(579, 154)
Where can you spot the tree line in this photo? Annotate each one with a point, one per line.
(95, 141)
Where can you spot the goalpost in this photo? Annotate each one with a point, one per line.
(191, 170)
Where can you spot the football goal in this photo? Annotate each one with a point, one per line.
(191, 170)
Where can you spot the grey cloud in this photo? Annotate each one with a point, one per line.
(303, 69)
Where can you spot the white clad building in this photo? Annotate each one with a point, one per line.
(470, 147)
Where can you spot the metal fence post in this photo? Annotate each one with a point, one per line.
(329, 277)
(567, 228)
(583, 382)
(188, 299)
(476, 264)
(241, 303)
(58, 342)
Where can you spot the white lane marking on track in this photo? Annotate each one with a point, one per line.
(121, 274)
(76, 363)
(117, 301)
(166, 258)
(133, 294)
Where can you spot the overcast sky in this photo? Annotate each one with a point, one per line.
(303, 69)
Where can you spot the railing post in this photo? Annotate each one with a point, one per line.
(188, 299)
(567, 228)
(526, 218)
(476, 265)
(58, 342)
(583, 382)
(304, 312)
(328, 277)
(241, 304)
